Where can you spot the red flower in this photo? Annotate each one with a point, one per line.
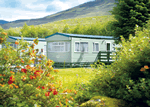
(16, 42)
(55, 92)
(38, 87)
(43, 87)
(10, 82)
(12, 78)
(28, 67)
(37, 73)
(47, 93)
(23, 70)
(32, 77)
(50, 89)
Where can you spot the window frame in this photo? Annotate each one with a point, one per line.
(94, 45)
(75, 46)
(113, 46)
(110, 46)
(64, 47)
(80, 47)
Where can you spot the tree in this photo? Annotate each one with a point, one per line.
(128, 14)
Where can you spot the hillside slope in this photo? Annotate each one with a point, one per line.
(88, 9)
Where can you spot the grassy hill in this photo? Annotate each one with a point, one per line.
(97, 25)
(88, 9)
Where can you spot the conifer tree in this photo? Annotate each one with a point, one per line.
(128, 15)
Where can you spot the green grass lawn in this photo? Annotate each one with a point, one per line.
(70, 77)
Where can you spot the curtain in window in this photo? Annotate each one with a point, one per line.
(84, 47)
(96, 47)
(76, 46)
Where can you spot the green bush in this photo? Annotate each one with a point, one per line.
(128, 78)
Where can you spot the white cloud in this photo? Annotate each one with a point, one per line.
(36, 7)
(61, 5)
(13, 14)
(31, 9)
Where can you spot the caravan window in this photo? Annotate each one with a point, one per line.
(59, 46)
(95, 47)
(108, 46)
(81, 46)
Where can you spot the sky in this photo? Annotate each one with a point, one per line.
(11, 10)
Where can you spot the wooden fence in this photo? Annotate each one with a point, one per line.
(106, 56)
(102, 56)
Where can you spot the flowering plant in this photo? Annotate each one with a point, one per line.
(23, 84)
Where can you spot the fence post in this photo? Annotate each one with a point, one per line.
(99, 56)
(108, 54)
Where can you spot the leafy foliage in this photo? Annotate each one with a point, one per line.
(128, 78)
(22, 84)
(128, 14)
(98, 25)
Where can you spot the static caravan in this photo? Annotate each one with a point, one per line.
(41, 44)
(76, 47)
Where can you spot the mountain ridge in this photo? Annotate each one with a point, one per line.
(88, 9)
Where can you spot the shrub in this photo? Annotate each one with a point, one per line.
(24, 85)
(128, 78)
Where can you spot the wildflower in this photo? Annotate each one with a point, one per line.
(35, 41)
(23, 78)
(142, 69)
(23, 70)
(71, 98)
(38, 87)
(22, 50)
(18, 67)
(10, 86)
(47, 93)
(67, 101)
(16, 42)
(11, 72)
(0, 74)
(50, 89)
(10, 82)
(32, 77)
(2, 85)
(28, 67)
(16, 86)
(43, 87)
(146, 67)
(60, 103)
(1, 40)
(22, 61)
(12, 78)
(55, 92)
(4, 33)
(37, 73)
(48, 74)
(49, 62)
(75, 92)
(36, 95)
(56, 70)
